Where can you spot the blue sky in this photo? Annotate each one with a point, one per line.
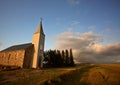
(20, 18)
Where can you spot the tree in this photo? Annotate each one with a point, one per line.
(56, 58)
(66, 57)
(63, 56)
(71, 58)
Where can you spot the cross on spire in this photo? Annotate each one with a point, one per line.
(41, 20)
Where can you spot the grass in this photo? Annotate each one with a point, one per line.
(104, 74)
(113, 71)
(30, 76)
(97, 76)
(74, 78)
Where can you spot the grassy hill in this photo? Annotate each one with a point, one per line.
(87, 74)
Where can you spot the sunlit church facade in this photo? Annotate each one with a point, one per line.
(29, 55)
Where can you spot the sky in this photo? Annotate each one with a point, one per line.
(90, 27)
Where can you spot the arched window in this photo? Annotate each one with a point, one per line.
(3, 56)
(16, 56)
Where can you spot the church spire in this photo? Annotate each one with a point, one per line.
(38, 42)
(40, 28)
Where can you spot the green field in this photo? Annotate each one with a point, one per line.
(85, 74)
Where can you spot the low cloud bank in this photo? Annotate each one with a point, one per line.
(87, 47)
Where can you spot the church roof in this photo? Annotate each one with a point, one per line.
(17, 47)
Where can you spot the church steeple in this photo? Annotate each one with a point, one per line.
(38, 42)
(40, 28)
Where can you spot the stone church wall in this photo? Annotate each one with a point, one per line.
(12, 58)
(28, 59)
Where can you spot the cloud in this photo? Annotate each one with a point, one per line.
(110, 50)
(0, 43)
(77, 40)
(93, 27)
(74, 23)
(108, 30)
(111, 35)
(73, 2)
(87, 47)
(3, 45)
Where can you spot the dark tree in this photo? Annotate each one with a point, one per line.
(63, 57)
(66, 57)
(71, 58)
(59, 58)
(56, 58)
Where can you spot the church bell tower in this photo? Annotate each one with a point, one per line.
(38, 42)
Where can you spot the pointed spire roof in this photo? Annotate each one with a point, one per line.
(40, 28)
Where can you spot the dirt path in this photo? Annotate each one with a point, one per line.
(72, 78)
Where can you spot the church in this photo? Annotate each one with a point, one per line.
(29, 55)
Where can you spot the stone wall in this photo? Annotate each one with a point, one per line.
(12, 58)
(28, 59)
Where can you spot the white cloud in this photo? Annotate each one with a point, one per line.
(87, 48)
